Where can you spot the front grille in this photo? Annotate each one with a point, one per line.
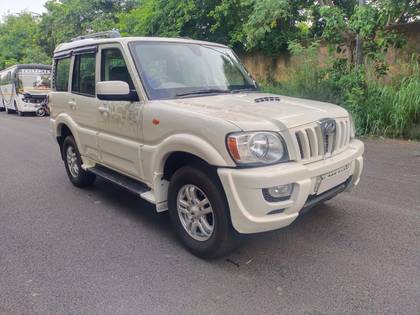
(313, 145)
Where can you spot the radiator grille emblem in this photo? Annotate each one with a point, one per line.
(328, 129)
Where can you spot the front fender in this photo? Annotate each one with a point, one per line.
(154, 157)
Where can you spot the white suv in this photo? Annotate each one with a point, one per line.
(182, 124)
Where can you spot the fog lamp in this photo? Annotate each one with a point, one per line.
(278, 193)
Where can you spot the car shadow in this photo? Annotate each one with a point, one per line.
(315, 225)
(131, 206)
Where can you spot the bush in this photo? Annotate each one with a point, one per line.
(379, 109)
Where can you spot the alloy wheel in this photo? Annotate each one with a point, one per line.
(195, 212)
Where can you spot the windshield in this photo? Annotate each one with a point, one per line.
(34, 79)
(171, 70)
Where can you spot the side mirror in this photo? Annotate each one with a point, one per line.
(115, 91)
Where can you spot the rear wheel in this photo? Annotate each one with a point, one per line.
(200, 213)
(73, 163)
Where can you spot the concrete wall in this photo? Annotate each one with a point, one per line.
(260, 65)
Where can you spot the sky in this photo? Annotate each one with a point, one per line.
(16, 6)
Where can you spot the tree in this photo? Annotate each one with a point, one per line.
(19, 37)
(67, 19)
(273, 23)
(373, 22)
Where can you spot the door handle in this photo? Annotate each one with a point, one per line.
(103, 110)
(72, 105)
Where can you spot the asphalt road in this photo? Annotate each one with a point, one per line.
(101, 250)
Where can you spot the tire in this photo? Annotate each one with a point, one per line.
(40, 112)
(21, 114)
(8, 111)
(73, 164)
(223, 237)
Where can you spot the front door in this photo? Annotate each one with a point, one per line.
(119, 142)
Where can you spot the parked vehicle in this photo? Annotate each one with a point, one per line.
(43, 109)
(23, 87)
(181, 124)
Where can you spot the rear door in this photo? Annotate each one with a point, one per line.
(119, 141)
(83, 104)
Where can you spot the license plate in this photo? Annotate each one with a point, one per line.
(332, 179)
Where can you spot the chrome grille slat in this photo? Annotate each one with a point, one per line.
(347, 133)
(313, 146)
(313, 141)
(304, 141)
(338, 135)
(319, 139)
(343, 134)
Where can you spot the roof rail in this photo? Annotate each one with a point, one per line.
(106, 34)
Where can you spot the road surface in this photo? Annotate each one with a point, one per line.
(101, 250)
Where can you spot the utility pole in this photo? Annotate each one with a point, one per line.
(359, 44)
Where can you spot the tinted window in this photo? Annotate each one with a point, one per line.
(61, 74)
(84, 74)
(114, 68)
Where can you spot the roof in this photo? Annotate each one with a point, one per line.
(96, 41)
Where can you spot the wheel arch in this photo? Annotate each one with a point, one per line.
(183, 145)
(178, 159)
(175, 152)
(62, 131)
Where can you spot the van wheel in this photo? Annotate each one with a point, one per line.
(200, 214)
(20, 113)
(73, 163)
(8, 111)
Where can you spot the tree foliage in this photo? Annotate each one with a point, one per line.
(20, 41)
(373, 22)
(258, 25)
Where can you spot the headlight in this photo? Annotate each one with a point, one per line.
(257, 147)
(352, 128)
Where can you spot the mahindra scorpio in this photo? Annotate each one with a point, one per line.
(182, 124)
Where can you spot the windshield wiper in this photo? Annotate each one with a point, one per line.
(205, 91)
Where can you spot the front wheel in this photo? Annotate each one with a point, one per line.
(40, 112)
(73, 163)
(200, 213)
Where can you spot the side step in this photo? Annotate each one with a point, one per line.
(132, 185)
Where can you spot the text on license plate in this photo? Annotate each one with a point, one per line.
(332, 179)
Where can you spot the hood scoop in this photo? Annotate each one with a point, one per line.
(267, 99)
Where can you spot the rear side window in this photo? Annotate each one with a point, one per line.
(61, 75)
(84, 74)
(113, 67)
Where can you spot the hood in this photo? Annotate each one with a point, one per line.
(260, 111)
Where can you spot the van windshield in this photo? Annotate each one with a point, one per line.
(34, 79)
(171, 70)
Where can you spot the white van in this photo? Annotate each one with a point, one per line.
(23, 87)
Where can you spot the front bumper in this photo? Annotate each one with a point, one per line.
(33, 102)
(249, 210)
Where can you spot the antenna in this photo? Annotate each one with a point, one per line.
(107, 34)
